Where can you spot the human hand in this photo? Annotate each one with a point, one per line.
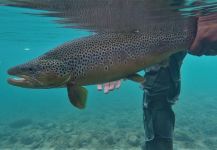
(110, 86)
(205, 42)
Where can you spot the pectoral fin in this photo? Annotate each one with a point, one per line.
(136, 78)
(77, 96)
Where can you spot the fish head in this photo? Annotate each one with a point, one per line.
(40, 74)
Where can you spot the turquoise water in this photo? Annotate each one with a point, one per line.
(44, 119)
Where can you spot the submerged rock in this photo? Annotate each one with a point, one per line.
(47, 126)
(20, 123)
(210, 143)
(133, 140)
(83, 140)
(27, 140)
(36, 145)
(109, 140)
(67, 128)
(61, 142)
(211, 132)
(12, 139)
(183, 136)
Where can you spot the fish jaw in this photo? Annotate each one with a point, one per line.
(43, 80)
(24, 81)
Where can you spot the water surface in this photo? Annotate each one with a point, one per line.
(45, 119)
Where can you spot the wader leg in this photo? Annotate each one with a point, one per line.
(159, 120)
(159, 144)
(161, 89)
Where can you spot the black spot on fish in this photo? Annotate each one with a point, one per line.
(106, 68)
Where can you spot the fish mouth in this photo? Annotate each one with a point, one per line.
(24, 81)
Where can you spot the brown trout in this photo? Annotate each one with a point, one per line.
(104, 57)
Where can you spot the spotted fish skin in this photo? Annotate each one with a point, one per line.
(111, 56)
(107, 57)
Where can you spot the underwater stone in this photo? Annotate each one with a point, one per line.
(212, 132)
(184, 137)
(49, 125)
(133, 140)
(12, 139)
(27, 140)
(67, 129)
(109, 140)
(61, 141)
(20, 123)
(46, 126)
(210, 143)
(122, 124)
(84, 140)
(189, 145)
(36, 145)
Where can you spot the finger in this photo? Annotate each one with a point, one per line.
(118, 84)
(99, 87)
(106, 88)
(111, 86)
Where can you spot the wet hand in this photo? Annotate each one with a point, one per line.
(205, 42)
(110, 86)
